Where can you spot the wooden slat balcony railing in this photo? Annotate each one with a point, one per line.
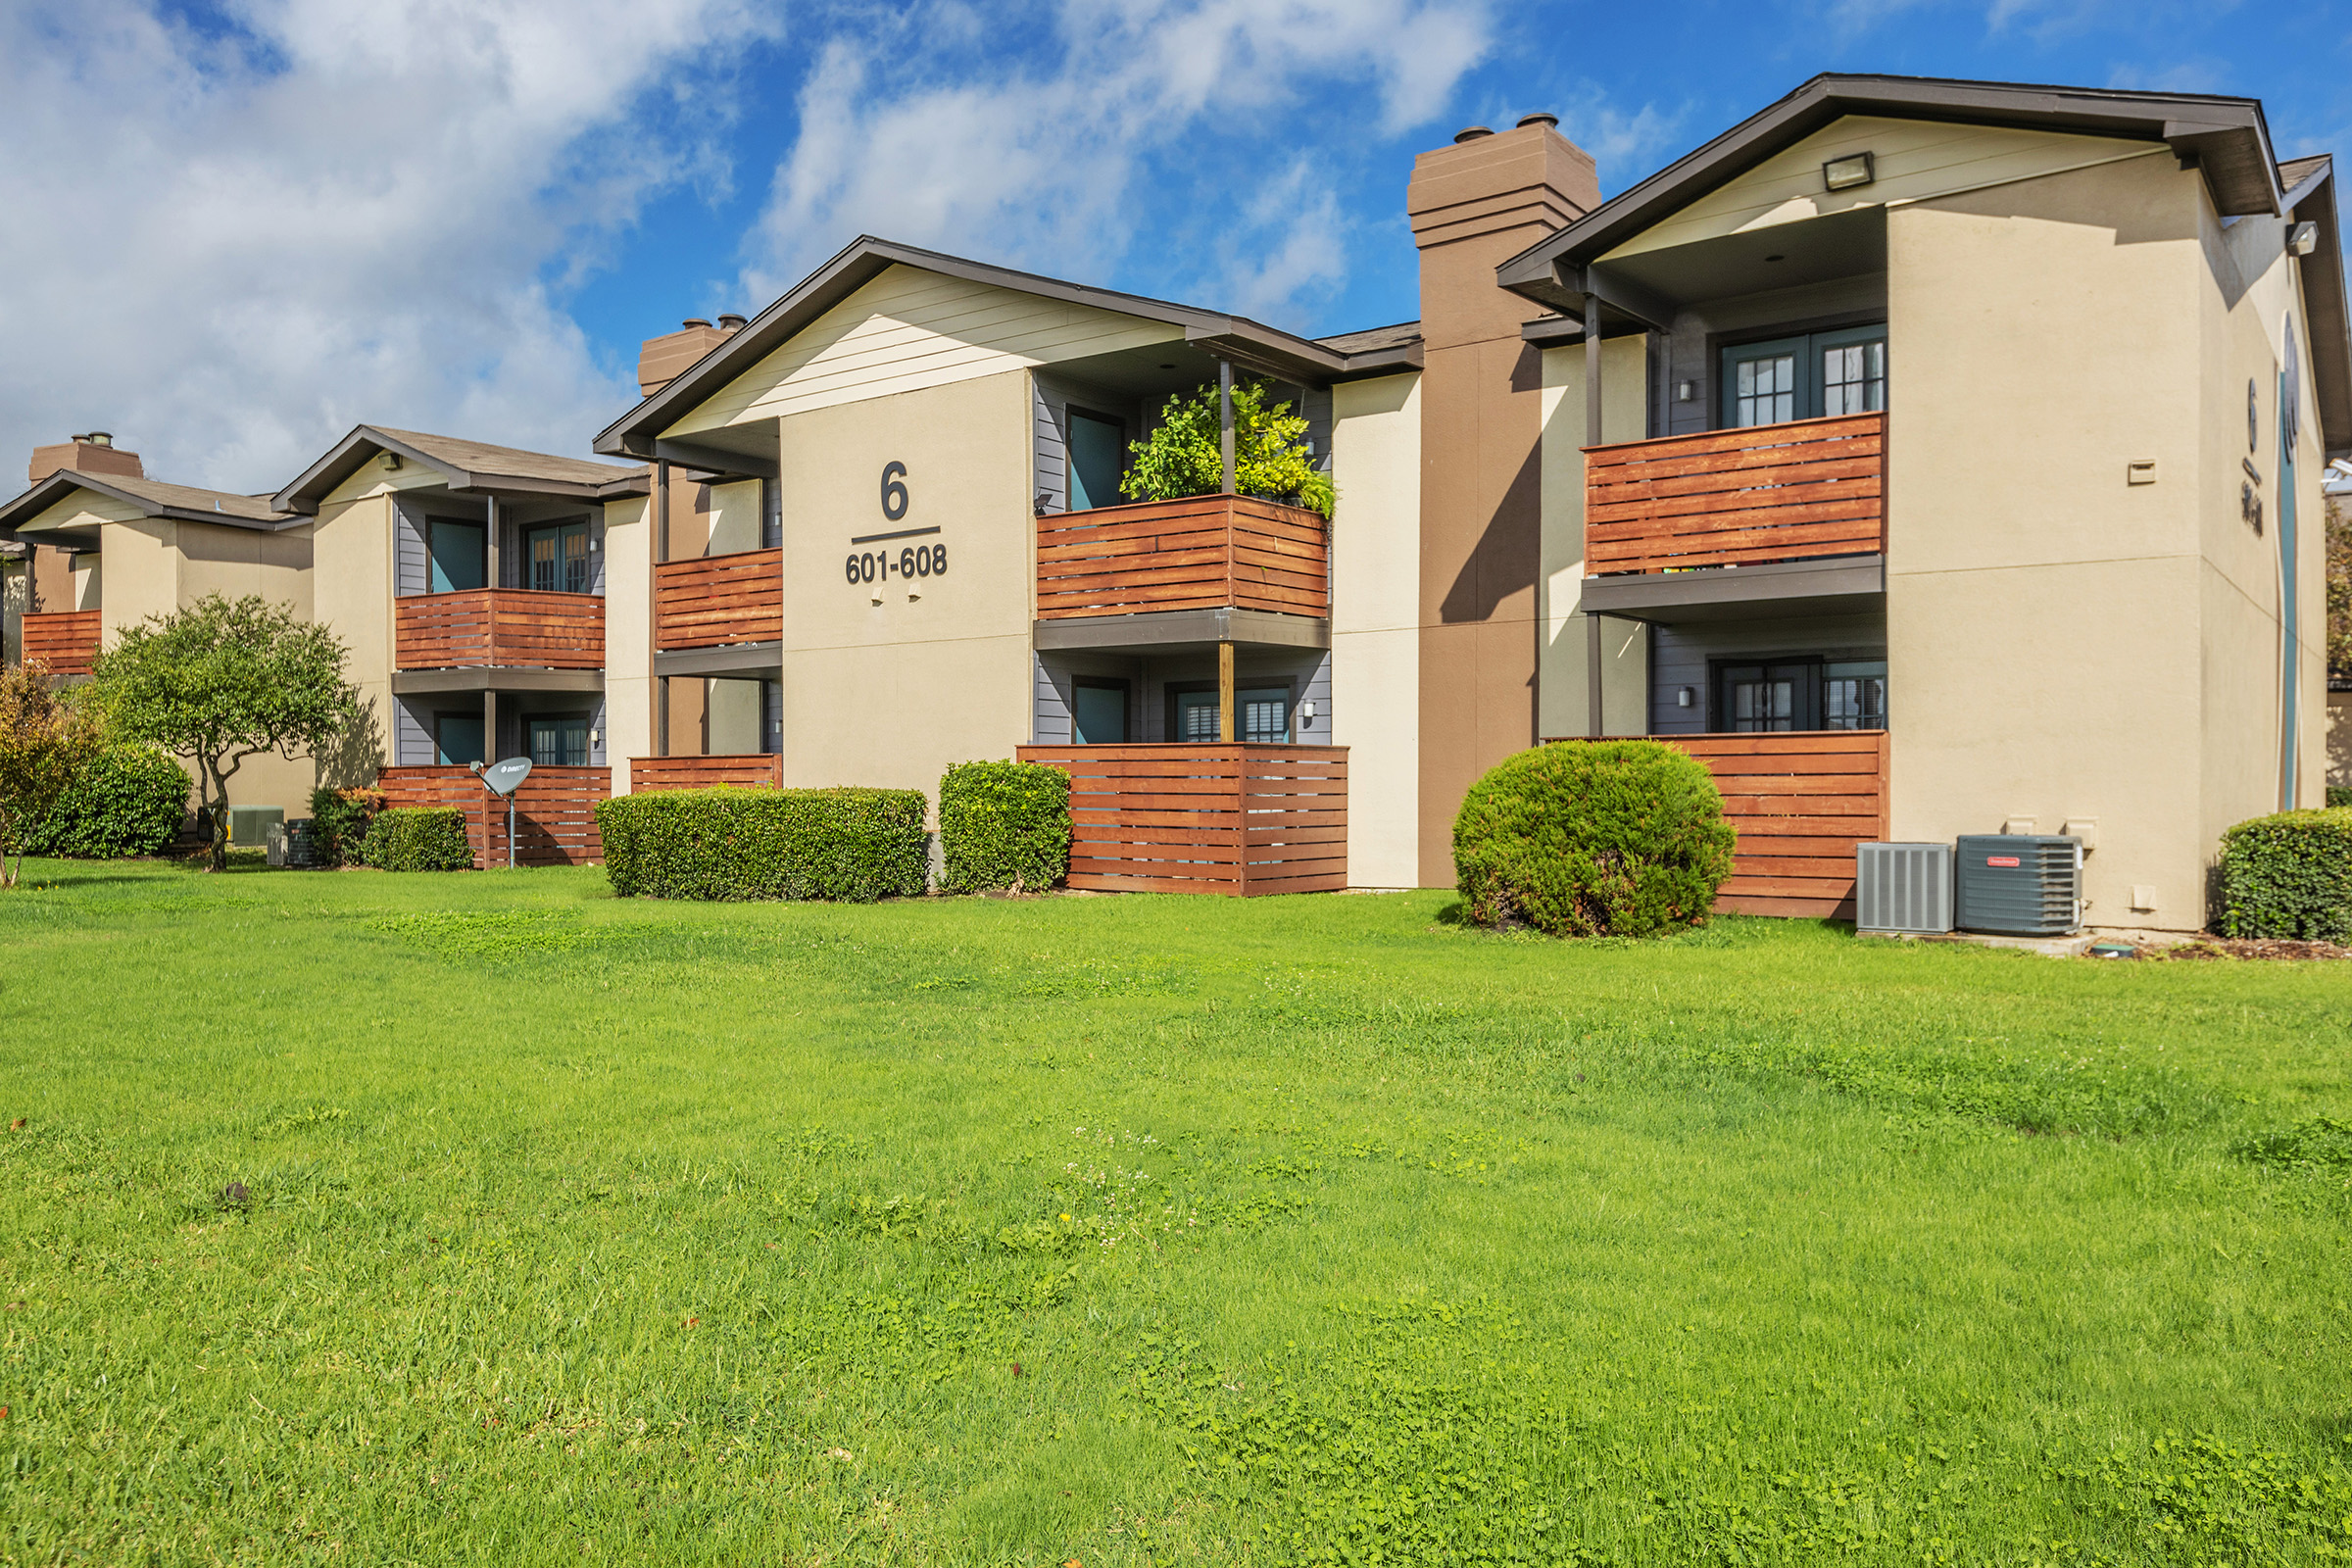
(1200, 553)
(1773, 492)
(521, 628)
(718, 600)
(65, 640)
(554, 810)
(703, 772)
(1801, 802)
(1242, 819)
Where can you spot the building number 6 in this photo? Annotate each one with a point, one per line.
(894, 494)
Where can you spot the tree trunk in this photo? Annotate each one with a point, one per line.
(217, 809)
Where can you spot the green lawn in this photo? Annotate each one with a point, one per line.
(1143, 1230)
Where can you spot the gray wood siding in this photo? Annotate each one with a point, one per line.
(408, 549)
(1679, 657)
(412, 734)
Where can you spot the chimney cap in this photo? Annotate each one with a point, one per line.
(1471, 134)
(730, 321)
(100, 438)
(1541, 116)
(693, 321)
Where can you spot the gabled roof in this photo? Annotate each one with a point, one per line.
(2225, 138)
(1249, 344)
(463, 465)
(1400, 341)
(154, 499)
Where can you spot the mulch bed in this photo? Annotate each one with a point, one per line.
(2244, 947)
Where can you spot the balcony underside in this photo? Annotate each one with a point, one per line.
(741, 662)
(1176, 631)
(494, 678)
(1778, 590)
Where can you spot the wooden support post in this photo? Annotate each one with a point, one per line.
(1225, 729)
(490, 550)
(1225, 418)
(1594, 725)
(1592, 689)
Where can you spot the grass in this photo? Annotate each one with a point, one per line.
(486, 1218)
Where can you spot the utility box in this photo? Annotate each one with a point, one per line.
(2018, 884)
(1903, 887)
(249, 825)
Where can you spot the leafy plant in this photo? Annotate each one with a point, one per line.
(852, 844)
(2339, 595)
(1184, 455)
(128, 800)
(1593, 838)
(339, 821)
(45, 743)
(2339, 795)
(418, 838)
(221, 680)
(1003, 825)
(2289, 875)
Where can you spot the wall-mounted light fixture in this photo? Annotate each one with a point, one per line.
(2302, 238)
(1844, 173)
(1685, 391)
(391, 460)
(1683, 697)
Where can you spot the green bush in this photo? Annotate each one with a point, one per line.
(130, 800)
(852, 844)
(339, 820)
(2289, 875)
(417, 838)
(1003, 825)
(2339, 795)
(1185, 453)
(1593, 838)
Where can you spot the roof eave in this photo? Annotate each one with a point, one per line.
(342, 461)
(2326, 316)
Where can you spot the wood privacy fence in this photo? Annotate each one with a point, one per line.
(1773, 492)
(518, 627)
(65, 640)
(718, 600)
(554, 810)
(1200, 553)
(703, 772)
(1801, 800)
(1237, 819)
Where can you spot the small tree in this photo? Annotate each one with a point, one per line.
(222, 680)
(2339, 590)
(44, 743)
(1185, 455)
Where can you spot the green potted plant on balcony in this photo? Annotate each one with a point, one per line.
(1182, 455)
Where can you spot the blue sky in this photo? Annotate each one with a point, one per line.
(237, 229)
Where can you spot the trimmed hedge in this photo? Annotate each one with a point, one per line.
(852, 845)
(339, 819)
(1593, 838)
(1003, 825)
(417, 838)
(129, 801)
(2339, 795)
(2289, 875)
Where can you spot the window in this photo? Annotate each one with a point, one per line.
(557, 740)
(458, 739)
(1097, 446)
(459, 561)
(556, 557)
(1795, 694)
(1099, 711)
(1261, 716)
(1853, 695)
(1808, 377)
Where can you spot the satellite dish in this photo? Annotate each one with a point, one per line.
(505, 778)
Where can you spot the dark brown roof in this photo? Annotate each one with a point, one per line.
(1375, 339)
(181, 501)
(481, 457)
(464, 465)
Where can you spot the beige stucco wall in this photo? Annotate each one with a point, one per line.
(2063, 645)
(891, 692)
(352, 591)
(628, 637)
(1563, 693)
(734, 517)
(1375, 623)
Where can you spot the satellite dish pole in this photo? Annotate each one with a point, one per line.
(505, 778)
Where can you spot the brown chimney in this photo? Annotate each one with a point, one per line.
(95, 453)
(660, 359)
(1474, 205)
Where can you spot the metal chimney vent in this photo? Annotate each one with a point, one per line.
(1903, 887)
(2020, 884)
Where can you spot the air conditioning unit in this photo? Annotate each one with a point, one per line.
(1903, 887)
(2020, 884)
(249, 825)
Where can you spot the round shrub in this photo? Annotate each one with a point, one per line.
(2289, 875)
(417, 838)
(130, 800)
(1003, 825)
(1593, 838)
(339, 818)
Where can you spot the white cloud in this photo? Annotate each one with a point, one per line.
(227, 248)
(1032, 166)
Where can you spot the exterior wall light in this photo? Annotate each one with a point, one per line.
(2302, 238)
(1844, 173)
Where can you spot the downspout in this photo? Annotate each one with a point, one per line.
(1594, 721)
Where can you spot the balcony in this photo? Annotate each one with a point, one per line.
(482, 629)
(1239, 819)
(1202, 552)
(720, 601)
(1799, 509)
(63, 640)
(757, 771)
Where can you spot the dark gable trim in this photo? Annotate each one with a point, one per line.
(1246, 343)
(364, 443)
(50, 491)
(2326, 316)
(2224, 138)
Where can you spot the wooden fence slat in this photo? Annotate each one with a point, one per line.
(479, 627)
(1200, 552)
(63, 640)
(1795, 491)
(554, 810)
(705, 772)
(1246, 820)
